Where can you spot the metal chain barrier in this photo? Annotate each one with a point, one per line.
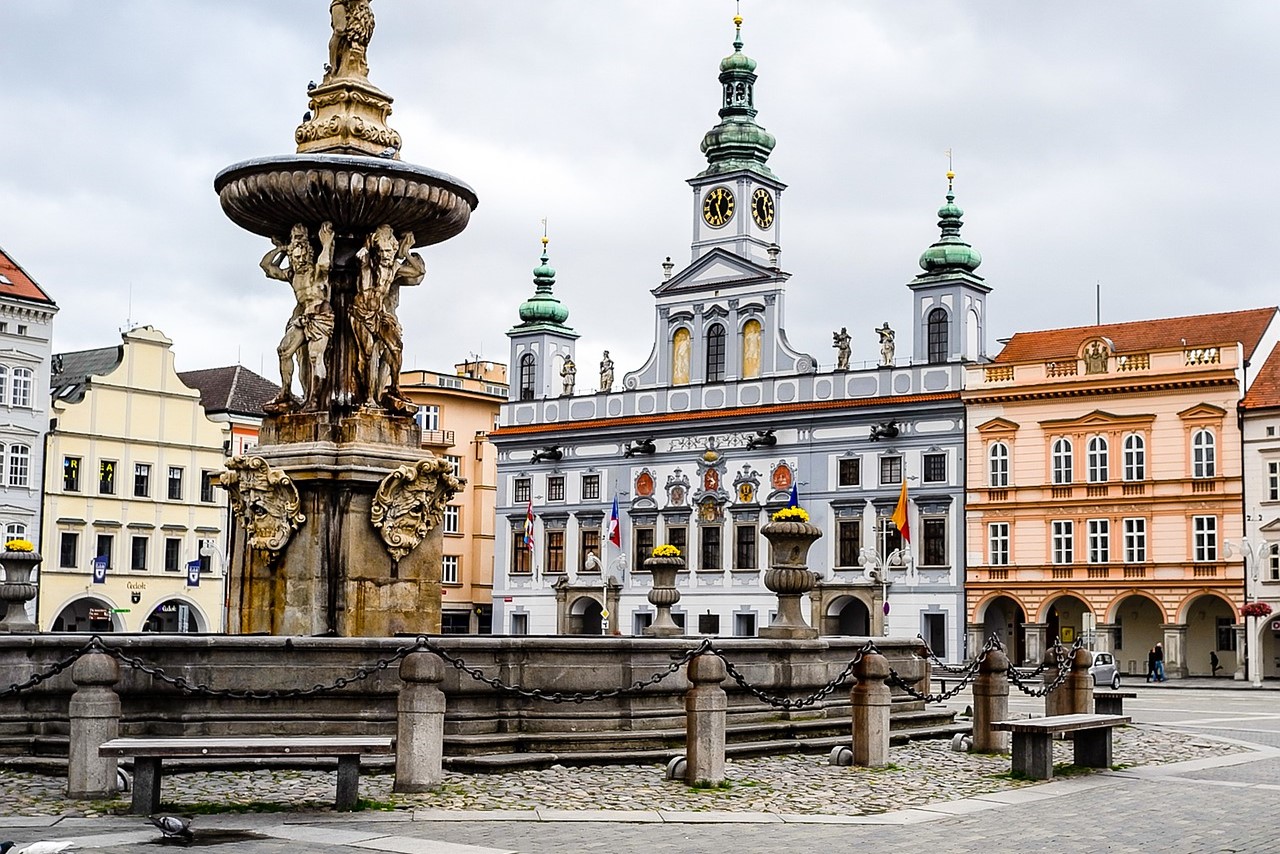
(560, 696)
(1062, 659)
(969, 671)
(54, 669)
(788, 702)
(938, 662)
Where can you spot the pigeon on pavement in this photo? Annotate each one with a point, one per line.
(172, 826)
(5, 846)
(47, 847)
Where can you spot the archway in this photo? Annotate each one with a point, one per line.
(1211, 633)
(1003, 619)
(176, 617)
(1266, 648)
(848, 615)
(1067, 618)
(586, 616)
(88, 614)
(1138, 623)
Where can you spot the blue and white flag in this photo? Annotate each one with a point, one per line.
(794, 501)
(100, 569)
(193, 573)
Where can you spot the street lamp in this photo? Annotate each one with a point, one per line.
(876, 568)
(1254, 554)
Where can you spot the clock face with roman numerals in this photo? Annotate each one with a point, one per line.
(762, 207)
(717, 206)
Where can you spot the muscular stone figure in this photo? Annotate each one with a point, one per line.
(306, 335)
(385, 265)
(352, 22)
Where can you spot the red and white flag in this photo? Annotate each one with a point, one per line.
(615, 530)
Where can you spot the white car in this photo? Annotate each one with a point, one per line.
(1104, 670)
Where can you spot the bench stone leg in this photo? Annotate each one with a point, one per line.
(1033, 755)
(348, 782)
(1107, 705)
(1093, 748)
(146, 785)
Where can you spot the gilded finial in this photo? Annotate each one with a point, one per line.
(545, 239)
(951, 175)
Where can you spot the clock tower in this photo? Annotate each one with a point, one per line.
(737, 199)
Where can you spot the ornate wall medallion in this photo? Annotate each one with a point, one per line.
(264, 500)
(410, 502)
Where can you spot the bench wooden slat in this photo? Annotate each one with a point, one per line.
(1061, 723)
(310, 746)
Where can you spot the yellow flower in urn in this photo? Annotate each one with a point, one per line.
(791, 514)
(666, 550)
(19, 546)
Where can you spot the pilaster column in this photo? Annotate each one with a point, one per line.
(1175, 650)
(1035, 634)
(1105, 637)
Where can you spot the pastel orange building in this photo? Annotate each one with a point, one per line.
(1104, 489)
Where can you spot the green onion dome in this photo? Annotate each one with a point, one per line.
(950, 252)
(543, 307)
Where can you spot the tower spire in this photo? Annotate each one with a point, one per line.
(543, 309)
(737, 142)
(950, 252)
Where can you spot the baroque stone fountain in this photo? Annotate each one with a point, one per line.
(339, 507)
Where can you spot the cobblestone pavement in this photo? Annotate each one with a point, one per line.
(921, 773)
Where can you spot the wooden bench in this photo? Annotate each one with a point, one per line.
(1111, 702)
(1033, 741)
(148, 753)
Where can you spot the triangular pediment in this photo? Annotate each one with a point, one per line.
(1098, 418)
(997, 425)
(1203, 411)
(1271, 527)
(715, 270)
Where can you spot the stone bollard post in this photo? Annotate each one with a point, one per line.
(420, 724)
(1055, 702)
(95, 720)
(991, 703)
(871, 699)
(706, 710)
(1078, 689)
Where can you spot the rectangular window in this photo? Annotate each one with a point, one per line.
(1273, 481)
(173, 555)
(640, 620)
(207, 479)
(519, 624)
(205, 550)
(588, 544)
(106, 476)
(678, 536)
(709, 547)
(998, 543)
(68, 547)
(849, 471)
(455, 464)
(455, 622)
(591, 487)
(935, 633)
(449, 569)
(138, 553)
(891, 469)
(555, 488)
(555, 551)
(934, 542)
(1064, 546)
(175, 483)
(452, 519)
(744, 625)
(848, 541)
(744, 549)
(71, 474)
(1204, 538)
(1226, 634)
(523, 490)
(935, 468)
(428, 418)
(1135, 540)
(141, 480)
(708, 624)
(519, 553)
(888, 537)
(106, 544)
(643, 541)
(1273, 562)
(1099, 540)
(19, 465)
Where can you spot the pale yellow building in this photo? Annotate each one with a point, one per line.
(456, 413)
(129, 482)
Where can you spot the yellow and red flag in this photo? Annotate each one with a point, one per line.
(899, 516)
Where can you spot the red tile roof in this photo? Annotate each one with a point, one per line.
(1201, 330)
(1264, 392)
(15, 282)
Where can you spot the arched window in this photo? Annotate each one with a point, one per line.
(528, 376)
(938, 336)
(1135, 457)
(1062, 461)
(998, 464)
(715, 353)
(681, 348)
(22, 378)
(4, 384)
(751, 339)
(1203, 457)
(15, 531)
(19, 465)
(1099, 471)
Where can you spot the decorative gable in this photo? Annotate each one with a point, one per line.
(715, 270)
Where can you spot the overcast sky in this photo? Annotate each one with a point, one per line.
(1114, 141)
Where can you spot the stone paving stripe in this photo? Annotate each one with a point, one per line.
(345, 817)
(306, 833)
(718, 817)
(409, 845)
(32, 820)
(1028, 795)
(897, 817)
(611, 816)
(475, 815)
(104, 840)
(819, 818)
(964, 806)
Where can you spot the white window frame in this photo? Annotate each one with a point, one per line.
(449, 569)
(1099, 540)
(452, 519)
(998, 465)
(1273, 480)
(22, 381)
(1204, 457)
(428, 417)
(18, 469)
(456, 462)
(1064, 532)
(1097, 458)
(1135, 457)
(1135, 540)
(1063, 461)
(1204, 539)
(998, 543)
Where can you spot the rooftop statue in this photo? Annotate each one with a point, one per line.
(352, 22)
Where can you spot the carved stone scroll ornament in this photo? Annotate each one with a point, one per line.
(410, 502)
(265, 501)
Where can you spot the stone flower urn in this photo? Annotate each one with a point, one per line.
(663, 595)
(17, 590)
(789, 577)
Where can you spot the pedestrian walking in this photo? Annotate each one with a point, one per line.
(1151, 664)
(1160, 677)
(1214, 664)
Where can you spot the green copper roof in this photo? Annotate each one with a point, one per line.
(950, 252)
(543, 308)
(737, 142)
